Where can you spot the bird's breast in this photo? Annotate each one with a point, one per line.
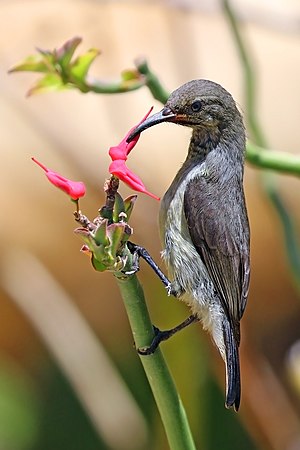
(182, 259)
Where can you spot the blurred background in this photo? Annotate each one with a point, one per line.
(70, 378)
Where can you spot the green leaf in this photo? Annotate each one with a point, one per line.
(100, 234)
(50, 82)
(74, 74)
(129, 204)
(89, 240)
(99, 266)
(34, 63)
(115, 232)
(64, 54)
(130, 74)
(103, 256)
(82, 64)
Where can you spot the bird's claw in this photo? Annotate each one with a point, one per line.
(135, 265)
(131, 272)
(173, 289)
(169, 289)
(159, 336)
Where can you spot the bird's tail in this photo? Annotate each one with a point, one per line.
(232, 362)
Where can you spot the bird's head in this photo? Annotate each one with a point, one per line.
(198, 104)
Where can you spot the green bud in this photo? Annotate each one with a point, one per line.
(129, 204)
(100, 233)
(119, 207)
(115, 232)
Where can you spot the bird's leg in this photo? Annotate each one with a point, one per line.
(166, 334)
(140, 252)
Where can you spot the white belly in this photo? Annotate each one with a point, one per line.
(181, 257)
(187, 272)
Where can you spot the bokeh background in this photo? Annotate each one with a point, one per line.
(69, 375)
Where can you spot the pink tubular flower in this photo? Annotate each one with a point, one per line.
(75, 189)
(118, 167)
(121, 171)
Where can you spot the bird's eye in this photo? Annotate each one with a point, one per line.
(196, 106)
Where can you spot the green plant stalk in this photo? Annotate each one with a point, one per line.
(100, 87)
(167, 399)
(152, 82)
(273, 160)
(269, 181)
(249, 78)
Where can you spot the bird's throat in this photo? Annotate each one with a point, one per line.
(203, 140)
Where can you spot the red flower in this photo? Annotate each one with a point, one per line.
(75, 189)
(118, 167)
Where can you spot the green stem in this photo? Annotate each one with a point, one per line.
(269, 181)
(152, 82)
(272, 159)
(101, 87)
(167, 399)
(249, 77)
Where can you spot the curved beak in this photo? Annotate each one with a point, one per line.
(165, 115)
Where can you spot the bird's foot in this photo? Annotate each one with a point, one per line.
(160, 336)
(135, 265)
(140, 252)
(173, 288)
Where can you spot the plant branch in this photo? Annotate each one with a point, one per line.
(151, 81)
(102, 87)
(167, 399)
(249, 77)
(273, 159)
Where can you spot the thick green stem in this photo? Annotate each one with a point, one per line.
(167, 399)
(273, 160)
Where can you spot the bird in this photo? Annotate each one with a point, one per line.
(203, 219)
